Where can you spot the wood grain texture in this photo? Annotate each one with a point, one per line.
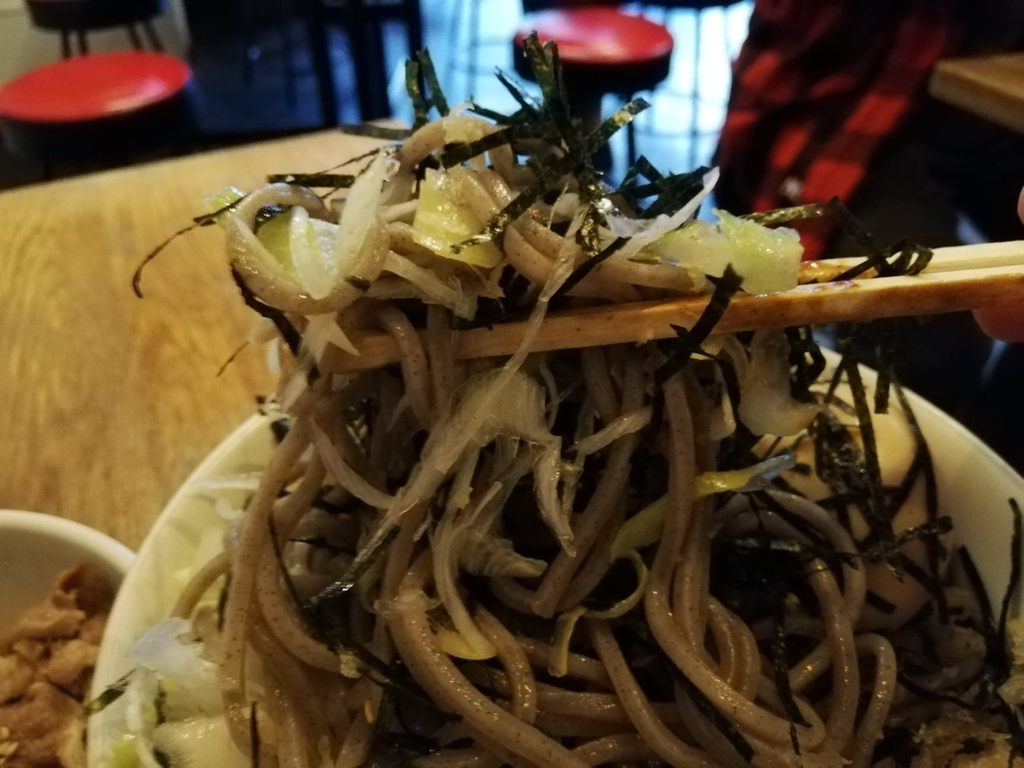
(107, 402)
(991, 87)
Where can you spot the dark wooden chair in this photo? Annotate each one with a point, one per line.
(364, 22)
(79, 17)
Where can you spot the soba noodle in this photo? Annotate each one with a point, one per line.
(554, 559)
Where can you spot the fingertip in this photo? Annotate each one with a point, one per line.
(1005, 323)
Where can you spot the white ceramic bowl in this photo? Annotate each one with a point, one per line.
(974, 485)
(186, 535)
(36, 547)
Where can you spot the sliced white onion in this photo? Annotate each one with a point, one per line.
(274, 356)
(450, 437)
(359, 216)
(345, 475)
(167, 649)
(663, 224)
(262, 331)
(426, 285)
(624, 425)
(316, 270)
(486, 555)
(197, 742)
(766, 405)
(447, 543)
(323, 331)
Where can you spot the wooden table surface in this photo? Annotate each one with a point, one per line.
(989, 86)
(107, 401)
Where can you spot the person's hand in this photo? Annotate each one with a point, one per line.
(1005, 323)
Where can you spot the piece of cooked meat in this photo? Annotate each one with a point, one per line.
(16, 674)
(48, 728)
(46, 664)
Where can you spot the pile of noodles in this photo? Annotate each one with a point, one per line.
(680, 552)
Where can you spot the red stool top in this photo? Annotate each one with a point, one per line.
(599, 35)
(93, 87)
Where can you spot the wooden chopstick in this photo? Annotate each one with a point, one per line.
(958, 278)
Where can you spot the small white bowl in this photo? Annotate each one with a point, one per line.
(36, 547)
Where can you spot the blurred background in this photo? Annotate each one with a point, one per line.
(910, 111)
(257, 74)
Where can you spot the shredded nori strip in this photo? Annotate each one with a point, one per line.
(780, 216)
(359, 283)
(528, 107)
(911, 259)
(222, 601)
(926, 693)
(856, 232)
(935, 550)
(321, 542)
(316, 180)
(460, 152)
(372, 131)
(878, 602)
(437, 99)
(109, 695)
(551, 174)
(286, 577)
(900, 562)
(588, 236)
(691, 340)
(978, 588)
(655, 672)
(780, 675)
(334, 632)
(348, 582)
(806, 357)
(321, 503)
(206, 219)
(231, 358)
(641, 168)
(412, 87)
(137, 275)
(280, 427)
(254, 738)
(931, 528)
(886, 355)
(673, 192)
(588, 266)
(547, 71)
(1014, 583)
(874, 507)
(720, 722)
(284, 326)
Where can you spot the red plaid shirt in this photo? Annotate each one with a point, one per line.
(817, 87)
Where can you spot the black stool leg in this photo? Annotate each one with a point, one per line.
(695, 97)
(414, 26)
(151, 35)
(474, 44)
(631, 154)
(65, 44)
(133, 35)
(288, 51)
(316, 33)
(83, 42)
